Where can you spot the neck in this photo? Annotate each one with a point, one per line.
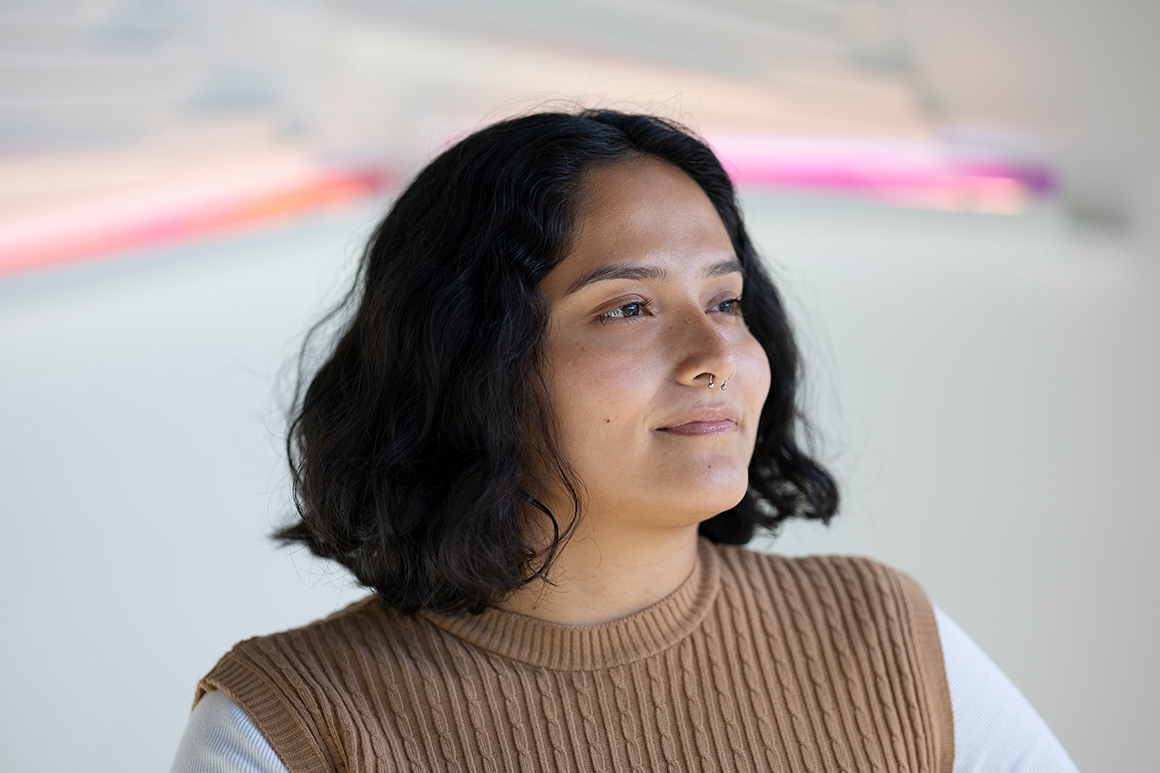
(600, 576)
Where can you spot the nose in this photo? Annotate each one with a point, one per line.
(704, 352)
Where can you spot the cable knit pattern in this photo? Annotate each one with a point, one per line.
(756, 663)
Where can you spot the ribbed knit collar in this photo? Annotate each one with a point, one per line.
(593, 647)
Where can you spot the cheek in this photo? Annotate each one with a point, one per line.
(757, 378)
(762, 377)
(597, 393)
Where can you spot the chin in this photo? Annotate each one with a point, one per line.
(702, 502)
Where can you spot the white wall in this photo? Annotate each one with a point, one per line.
(985, 387)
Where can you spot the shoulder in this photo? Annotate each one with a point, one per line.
(300, 686)
(847, 590)
(267, 656)
(362, 633)
(855, 614)
(826, 579)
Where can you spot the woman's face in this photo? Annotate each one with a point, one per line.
(644, 314)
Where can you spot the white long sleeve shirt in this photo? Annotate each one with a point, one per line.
(996, 729)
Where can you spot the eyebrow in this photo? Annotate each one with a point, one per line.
(646, 273)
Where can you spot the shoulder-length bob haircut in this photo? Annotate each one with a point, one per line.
(418, 447)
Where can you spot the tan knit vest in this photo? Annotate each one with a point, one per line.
(756, 663)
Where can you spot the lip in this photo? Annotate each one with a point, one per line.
(706, 421)
(715, 427)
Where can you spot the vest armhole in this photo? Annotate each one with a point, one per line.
(933, 668)
(260, 699)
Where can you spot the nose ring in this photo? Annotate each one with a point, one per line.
(724, 384)
(710, 380)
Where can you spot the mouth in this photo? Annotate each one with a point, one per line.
(707, 427)
(716, 420)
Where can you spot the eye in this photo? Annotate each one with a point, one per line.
(626, 311)
(731, 306)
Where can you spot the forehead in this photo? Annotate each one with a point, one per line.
(644, 211)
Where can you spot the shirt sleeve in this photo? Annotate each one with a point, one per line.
(221, 738)
(996, 729)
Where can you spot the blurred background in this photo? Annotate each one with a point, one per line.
(958, 199)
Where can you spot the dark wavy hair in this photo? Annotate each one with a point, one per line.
(418, 447)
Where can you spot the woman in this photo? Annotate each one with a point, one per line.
(564, 396)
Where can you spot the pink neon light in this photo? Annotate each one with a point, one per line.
(897, 173)
(94, 230)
